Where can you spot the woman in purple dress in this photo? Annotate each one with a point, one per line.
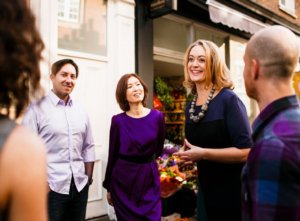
(136, 139)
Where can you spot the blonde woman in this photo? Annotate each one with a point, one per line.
(217, 132)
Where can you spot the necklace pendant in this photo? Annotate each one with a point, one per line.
(201, 115)
(194, 118)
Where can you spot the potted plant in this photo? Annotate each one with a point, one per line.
(163, 92)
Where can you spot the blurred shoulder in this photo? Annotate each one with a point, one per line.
(22, 153)
(23, 144)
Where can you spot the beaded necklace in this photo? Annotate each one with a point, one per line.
(204, 107)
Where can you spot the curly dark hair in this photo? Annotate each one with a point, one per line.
(20, 53)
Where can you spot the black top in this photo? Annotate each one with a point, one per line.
(225, 124)
(6, 126)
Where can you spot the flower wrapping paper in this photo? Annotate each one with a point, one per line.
(174, 174)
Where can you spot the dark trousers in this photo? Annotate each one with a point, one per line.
(72, 207)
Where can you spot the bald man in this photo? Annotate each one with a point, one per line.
(271, 176)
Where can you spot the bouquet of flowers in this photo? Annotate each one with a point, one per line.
(175, 175)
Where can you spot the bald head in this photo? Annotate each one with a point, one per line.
(276, 49)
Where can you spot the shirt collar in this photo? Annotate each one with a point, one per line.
(57, 101)
(271, 111)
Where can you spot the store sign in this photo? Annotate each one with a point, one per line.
(161, 7)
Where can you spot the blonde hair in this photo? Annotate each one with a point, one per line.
(217, 72)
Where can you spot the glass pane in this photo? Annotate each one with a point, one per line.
(170, 35)
(82, 26)
(207, 34)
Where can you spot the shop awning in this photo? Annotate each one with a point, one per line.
(220, 13)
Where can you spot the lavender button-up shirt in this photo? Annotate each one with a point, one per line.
(67, 133)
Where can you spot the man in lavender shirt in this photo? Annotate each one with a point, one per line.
(271, 176)
(65, 128)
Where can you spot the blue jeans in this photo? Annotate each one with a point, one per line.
(72, 207)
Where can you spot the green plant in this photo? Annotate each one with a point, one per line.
(163, 91)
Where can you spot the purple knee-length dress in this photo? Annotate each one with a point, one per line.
(133, 181)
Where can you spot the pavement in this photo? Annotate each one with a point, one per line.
(102, 218)
(172, 217)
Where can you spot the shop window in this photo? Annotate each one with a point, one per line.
(217, 38)
(170, 97)
(287, 6)
(82, 26)
(170, 34)
(237, 50)
(211, 37)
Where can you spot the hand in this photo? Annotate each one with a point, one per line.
(109, 199)
(192, 153)
(90, 180)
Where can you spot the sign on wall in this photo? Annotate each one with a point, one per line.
(161, 7)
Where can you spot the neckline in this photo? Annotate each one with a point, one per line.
(138, 117)
(221, 91)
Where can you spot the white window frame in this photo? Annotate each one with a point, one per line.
(66, 17)
(288, 6)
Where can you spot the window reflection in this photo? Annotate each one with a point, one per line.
(82, 26)
(164, 32)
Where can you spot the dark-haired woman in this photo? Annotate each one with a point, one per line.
(136, 139)
(23, 185)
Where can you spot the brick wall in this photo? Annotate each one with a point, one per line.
(273, 5)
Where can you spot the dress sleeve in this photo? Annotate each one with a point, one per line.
(237, 123)
(161, 134)
(114, 144)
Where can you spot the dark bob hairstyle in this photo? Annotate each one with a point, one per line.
(122, 88)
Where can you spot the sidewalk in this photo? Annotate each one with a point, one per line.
(168, 218)
(102, 218)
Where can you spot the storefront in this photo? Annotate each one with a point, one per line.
(172, 33)
(171, 25)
